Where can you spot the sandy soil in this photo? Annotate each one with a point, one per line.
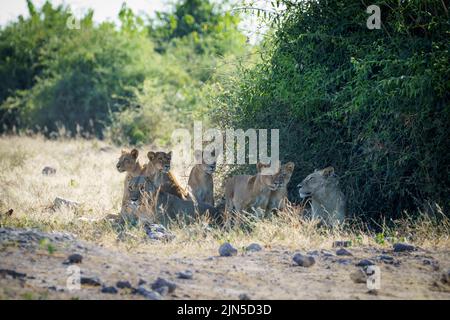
(32, 267)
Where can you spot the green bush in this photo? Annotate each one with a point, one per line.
(372, 103)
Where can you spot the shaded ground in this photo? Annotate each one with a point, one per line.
(32, 267)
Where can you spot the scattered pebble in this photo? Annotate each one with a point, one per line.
(343, 252)
(403, 247)
(244, 296)
(48, 171)
(74, 258)
(110, 290)
(185, 274)
(123, 285)
(342, 243)
(160, 282)
(304, 260)
(60, 202)
(149, 294)
(90, 281)
(365, 263)
(227, 250)
(12, 273)
(254, 247)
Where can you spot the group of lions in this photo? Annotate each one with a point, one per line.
(151, 190)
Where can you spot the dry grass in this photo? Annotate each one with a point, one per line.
(86, 173)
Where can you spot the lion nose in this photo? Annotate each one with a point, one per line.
(117, 166)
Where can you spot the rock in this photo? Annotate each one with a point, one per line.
(149, 294)
(365, 263)
(9, 212)
(158, 232)
(433, 263)
(160, 282)
(244, 296)
(227, 250)
(74, 258)
(344, 262)
(185, 274)
(403, 247)
(163, 291)
(60, 202)
(304, 260)
(326, 253)
(12, 273)
(342, 243)
(359, 276)
(90, 281)
(386, 258)
(48, 171)
(313, 253)
(123, 285)
(254, 247)
(142, 282)
(110, 290)
(343, 252)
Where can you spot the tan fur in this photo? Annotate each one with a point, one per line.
(244, 192)
(163, 206)
(128, 162)
(158, 170)
(327, 199)
(201, 180)
(278, 198)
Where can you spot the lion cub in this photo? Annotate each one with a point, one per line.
(327, 199)
(244, 192)
(201, 179)
(128, 162)
(158, 169)
(162, 205)
(277, 199)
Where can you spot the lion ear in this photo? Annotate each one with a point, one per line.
(290, 166)
(151, 155)
(170, 154)
(328, 171)
(134, 153)
(123, 151)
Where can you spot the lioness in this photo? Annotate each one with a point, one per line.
(128, 162)
(277, 199)
(245, 191)
(162, 204)
(327, 199)
(201, 180)
(158, 169)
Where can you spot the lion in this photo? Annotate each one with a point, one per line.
(163, 206)
(201, 180)
(327, 199)
(277, 199)
(244, 192)
(158, 169)
(128, 162)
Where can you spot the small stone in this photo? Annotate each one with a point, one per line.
(313, 253)
(343, 252)
(445, 278)
(13, 274)
(344, 262)
(9, 212)
(90, 281)
(244, 296)
(365, 263)
(359, 276)
(160, 282)
(110, 290)
(123, 285)
(185, 274)
(342, 243)
(149, 294)
(326, 253)
(74, 258)
(60, 202)
(48, 171)
(254, 247)
(403, 247)
(227, 250)
(162, 290)
(141, 282)
(304, 261)
(386, 258)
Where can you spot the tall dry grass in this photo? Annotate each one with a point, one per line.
(86, 173)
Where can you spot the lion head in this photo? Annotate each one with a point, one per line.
(283, 177)
(206, 164)
(160, 160)
(140, 185)
(267, 175)
(127, 160)
(317, 182)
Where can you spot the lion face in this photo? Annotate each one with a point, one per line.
(283, 177)
(206, 165)
(315, 183)
(267, 177)
(160, 160)
(140, 185)
(127, 160)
